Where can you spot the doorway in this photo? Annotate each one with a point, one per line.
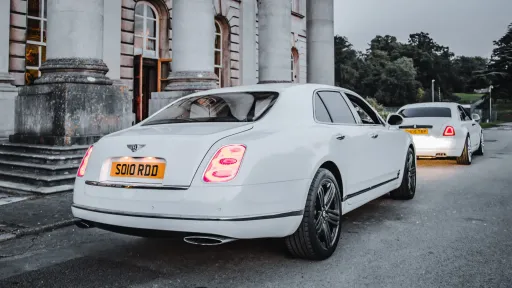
(145, 82)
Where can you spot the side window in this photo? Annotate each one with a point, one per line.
(365, 118)
(321, 113)
(463, 115)
(466, 115)
(337, 107)
(365, 112)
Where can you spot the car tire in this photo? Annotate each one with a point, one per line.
(319, 232)
(407, 188)
(465, 158)
(480, 150)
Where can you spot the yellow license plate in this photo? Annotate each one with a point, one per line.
(417, 131)
(138, 170)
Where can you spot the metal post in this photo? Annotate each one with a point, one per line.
(490, 104)
(433, 80)
(439, 93)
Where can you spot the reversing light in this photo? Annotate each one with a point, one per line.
(449, 131)
(225, 163)
(83, 164)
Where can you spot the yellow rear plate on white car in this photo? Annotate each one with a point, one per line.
(135, 168)
(417, 131)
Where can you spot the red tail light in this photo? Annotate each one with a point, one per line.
(225, 164)
(449, 131)
(83, 164)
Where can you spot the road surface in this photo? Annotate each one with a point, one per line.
(456, 232)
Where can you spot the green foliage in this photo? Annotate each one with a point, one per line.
(467, 98)
(396, 73)
(420, 94)
(499, 70)
(378, 107)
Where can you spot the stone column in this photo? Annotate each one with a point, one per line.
(248, 42)
(73, 102)
(8, 92)
(275, 24)
(320, 41)
(193, 40)
(193, 44)
(112, 38)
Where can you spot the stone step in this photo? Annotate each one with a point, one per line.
(43, 149)
(42, 169)
(25, 189)
(37, 180)
(46, 159)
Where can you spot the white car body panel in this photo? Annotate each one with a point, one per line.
(284, 150)
(436, 145)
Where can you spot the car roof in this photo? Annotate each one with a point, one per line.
(275, 87)
(431, 104)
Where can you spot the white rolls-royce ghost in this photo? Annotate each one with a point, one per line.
(443, 130)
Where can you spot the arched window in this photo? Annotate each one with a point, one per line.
(218, 53)
(35, 47)
(146, 30)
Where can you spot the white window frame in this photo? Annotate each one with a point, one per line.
(219, 66)
(42, 23)
(147, 53)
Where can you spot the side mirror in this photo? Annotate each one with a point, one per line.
(394, 119)
(475, 117)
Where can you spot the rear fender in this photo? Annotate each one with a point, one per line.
(271, 156)
(317, 166)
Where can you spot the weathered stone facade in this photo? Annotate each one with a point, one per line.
(233, 59)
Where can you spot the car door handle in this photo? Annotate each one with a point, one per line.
(340, 137)
(374, 135)
(474, 124)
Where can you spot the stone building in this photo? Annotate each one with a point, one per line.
(72, 71)
(138, 42)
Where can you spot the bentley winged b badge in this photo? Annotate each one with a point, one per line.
(135, 147)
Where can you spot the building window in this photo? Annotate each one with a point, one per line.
(35, 49)
(146, 30)
(218, 53)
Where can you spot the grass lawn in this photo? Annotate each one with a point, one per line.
(490, 125)
(467, 98)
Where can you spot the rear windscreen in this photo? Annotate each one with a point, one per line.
(221, 107)
(426, 112)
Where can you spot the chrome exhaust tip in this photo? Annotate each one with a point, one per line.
(84, 224)
(207, 240)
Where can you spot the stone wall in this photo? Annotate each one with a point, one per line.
(17, 39)
(228, 9)
(297, 40)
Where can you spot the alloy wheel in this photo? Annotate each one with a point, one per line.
(482, 142)
(470, 154)
(411, 174)
(327, 213)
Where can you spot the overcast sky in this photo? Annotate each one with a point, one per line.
(468, 27)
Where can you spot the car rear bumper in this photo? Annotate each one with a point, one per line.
(430, 146)
(241, 212)
(263, 226)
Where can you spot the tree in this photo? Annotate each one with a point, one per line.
(499, 70)
(347, 64)
(395, 73)
(398, 85)
(465, 77)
